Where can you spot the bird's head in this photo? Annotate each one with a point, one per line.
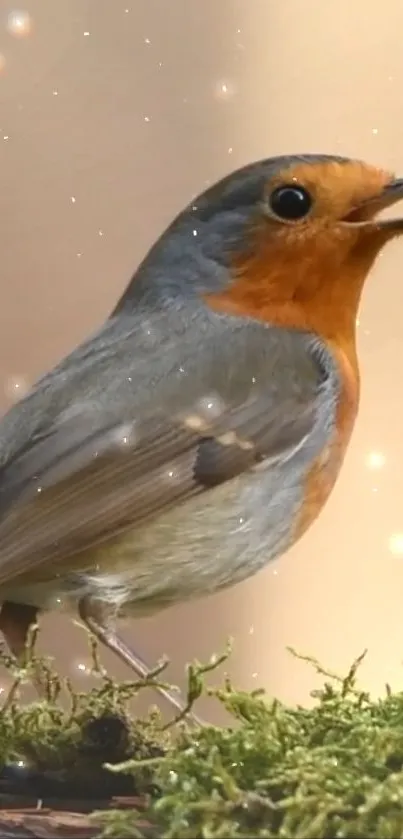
(288, 240)
(309, 241)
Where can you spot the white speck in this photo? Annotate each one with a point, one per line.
(374, 130)
(241, 520)
(6, 137)
(275, 572)
(357, 322)
(129, 379)
(147, 41)
(124, 434)
(170, 474)
(254, 379)
(20, 763)
(72, 199)
(1, 690)
(375, 460)
(251, 630)
(212, 404)
(58, 600)
(19, 24)
(181, 370)
(148, 328)
(396, 544)
(79, 254)
(230, 150)
(39, 489)
(100, 232)
(86, 34)
(127, 11)
(160, 64)
(55, 92)
(255, 675)
(81, 667)
(146, 119)
(223, 90)
(194, 232)
(16, 387)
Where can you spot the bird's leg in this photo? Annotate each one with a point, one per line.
(16, 620)
(99, 618)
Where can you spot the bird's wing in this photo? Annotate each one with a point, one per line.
(99, 452)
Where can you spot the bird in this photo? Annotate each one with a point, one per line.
(199, 432)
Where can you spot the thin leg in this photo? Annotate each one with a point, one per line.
(98, 617)
(16, 620)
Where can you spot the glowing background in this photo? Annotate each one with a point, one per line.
(112, 116)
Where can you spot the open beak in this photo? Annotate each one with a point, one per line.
(366, 214)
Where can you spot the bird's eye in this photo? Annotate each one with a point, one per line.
(290, 202)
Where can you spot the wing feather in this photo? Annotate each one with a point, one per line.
(85, 477)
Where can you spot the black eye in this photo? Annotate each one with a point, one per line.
(290, 202)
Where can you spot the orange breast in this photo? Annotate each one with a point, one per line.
(325, 469)
(308, 296)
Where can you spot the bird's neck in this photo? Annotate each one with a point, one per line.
(300, 297)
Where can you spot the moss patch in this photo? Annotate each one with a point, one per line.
(333, 770)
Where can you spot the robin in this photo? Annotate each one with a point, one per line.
(198, 433)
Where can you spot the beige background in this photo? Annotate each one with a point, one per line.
(113, 114)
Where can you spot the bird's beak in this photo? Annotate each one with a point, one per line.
(366, 214)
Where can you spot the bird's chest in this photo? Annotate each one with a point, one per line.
(318, 483)
(224, 536)
(323, 472)
(212, 541)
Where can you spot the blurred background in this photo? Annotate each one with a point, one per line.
(113, 114)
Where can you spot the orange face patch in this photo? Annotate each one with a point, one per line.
(337, 187)
(308, 274)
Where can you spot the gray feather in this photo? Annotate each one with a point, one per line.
(91, 453)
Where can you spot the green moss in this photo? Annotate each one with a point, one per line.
(333, 770)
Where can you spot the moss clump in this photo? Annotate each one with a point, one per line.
(57, 752)
(334, 770)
